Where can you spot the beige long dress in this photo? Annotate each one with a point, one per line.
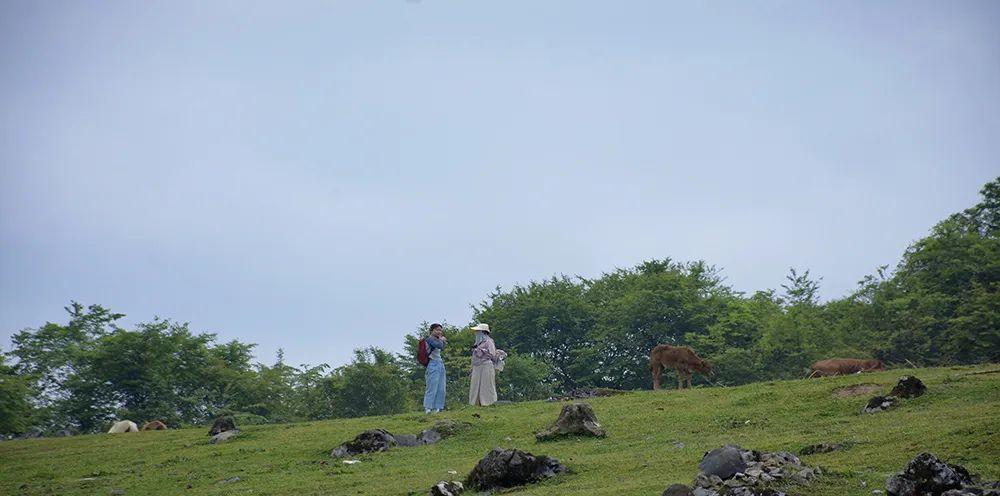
(483, 387)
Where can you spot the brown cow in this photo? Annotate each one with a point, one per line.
(155, 425)
(843, 366)
(681, 358)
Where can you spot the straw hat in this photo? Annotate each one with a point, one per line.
(481, 327)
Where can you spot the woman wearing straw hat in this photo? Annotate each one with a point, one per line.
(483, 388)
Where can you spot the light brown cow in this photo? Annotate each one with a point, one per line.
(680, 358)
(155, 425)
(844, 366)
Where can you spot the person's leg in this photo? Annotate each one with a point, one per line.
(488, 386)
(474, 385)
(430, 387)
(439, 395)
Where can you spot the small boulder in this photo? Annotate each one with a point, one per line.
(504, 468)
(908, 387)
(723, 462)
(64, 433)
(678, 490)
(370, 441)
(155, 425)
(222, 424)
(224, 436)
(879, 403)
(447, 488)
(574, 419)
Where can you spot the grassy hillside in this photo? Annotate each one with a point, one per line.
(655, 439)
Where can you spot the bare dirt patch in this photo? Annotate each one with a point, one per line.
(856, 390)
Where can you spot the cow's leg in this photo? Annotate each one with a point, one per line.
(688, 377)
(656, 368)
(680, 379)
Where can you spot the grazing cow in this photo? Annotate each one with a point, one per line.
(844, 366)
(155, 425)
(123, 426)
(681, 358)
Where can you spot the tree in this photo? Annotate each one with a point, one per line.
(15, 408)
(373, 384)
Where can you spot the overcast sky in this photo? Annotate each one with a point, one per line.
(322, 176)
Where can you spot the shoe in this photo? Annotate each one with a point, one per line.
(427, 411)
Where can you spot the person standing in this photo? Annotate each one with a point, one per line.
(482, 387)
(435, 376)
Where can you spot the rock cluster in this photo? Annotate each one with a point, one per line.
(734, 471)
(907, 387)
(375, 440)
(574, 419)
(503, 468)
(370, 441)
(926, 475)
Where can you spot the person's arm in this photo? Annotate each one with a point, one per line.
(491, 348)
(434, 343)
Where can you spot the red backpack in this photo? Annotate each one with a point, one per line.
(423, 356)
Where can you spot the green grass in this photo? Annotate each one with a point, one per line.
(958, 419)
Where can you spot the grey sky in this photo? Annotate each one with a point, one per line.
(321, 176)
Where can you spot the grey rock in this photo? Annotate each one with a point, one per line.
(447, 488)
(908, 387)
(503, 468)
(230, 480)
(678, 490)
(429, 436)
(224, 436)
(723, 462)
(64, 433)
(406, 440)
(575, 419)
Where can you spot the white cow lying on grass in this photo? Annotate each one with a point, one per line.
(123, 426)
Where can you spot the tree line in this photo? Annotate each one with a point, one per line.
(939, 305)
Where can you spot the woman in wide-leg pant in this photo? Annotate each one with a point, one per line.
(434, 392)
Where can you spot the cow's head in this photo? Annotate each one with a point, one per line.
(874, 365)
(706, 368)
